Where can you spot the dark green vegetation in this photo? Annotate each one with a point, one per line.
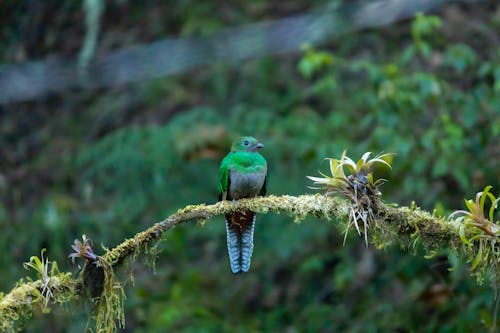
(109, 164)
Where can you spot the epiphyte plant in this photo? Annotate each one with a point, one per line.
(83, 249)
(44, 269)
(477, 224)
(359, 185)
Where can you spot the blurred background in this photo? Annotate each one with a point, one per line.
(114, 114)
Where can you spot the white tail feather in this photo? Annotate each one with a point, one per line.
(247, 246)
(233, 248)
(240, 249)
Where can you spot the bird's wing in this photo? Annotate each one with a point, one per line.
(223, 183)
(263, 190)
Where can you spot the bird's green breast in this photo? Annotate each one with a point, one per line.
(247, 162)
(240, 163)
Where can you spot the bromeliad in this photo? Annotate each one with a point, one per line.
(242, 174)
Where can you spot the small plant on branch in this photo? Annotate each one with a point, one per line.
(83, 249)
(359, 185)
(45, 269)
(477, 225)
(103, 285)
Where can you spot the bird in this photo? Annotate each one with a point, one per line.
(242, 174)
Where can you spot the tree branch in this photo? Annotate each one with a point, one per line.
(405, 225)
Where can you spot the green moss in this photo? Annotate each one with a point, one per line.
(17, 305)
(407, 226)
(110, 314)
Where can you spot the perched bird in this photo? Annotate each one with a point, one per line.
(242, 174)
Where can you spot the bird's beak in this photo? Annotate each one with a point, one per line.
(259, 145)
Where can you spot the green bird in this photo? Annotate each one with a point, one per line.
(242, 174)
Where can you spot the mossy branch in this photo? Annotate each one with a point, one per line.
(403, 225)
(299, 207)
(18, 303)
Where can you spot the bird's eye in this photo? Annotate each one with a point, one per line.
(246, 142)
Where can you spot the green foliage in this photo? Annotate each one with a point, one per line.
(417, 107)
(114, 162)
(360, 186)
(362, 171)
(110, 314)
(406, 100)
(477, 226)
(476, 216)
(45, 269)
(423, 26)
(18, 305)
(460, 57)
(314, 62)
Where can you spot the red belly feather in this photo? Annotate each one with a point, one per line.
(239, 221)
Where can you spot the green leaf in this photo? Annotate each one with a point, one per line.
(470, 205)
(441, 167)
(483, 197)
(306, 68)
(478, 258)
(460, 57)
(461, 232)
(325, 85)
(494, 205)
(313, 62)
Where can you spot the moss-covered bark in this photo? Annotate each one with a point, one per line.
(404, 225)
(17, 305)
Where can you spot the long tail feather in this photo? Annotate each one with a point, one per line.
(240, 229)
(247, 246)
(233, 248)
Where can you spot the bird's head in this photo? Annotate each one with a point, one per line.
(246, 143)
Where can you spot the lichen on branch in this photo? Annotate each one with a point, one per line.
(391, 224)
(298, 207)
(18, 304)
